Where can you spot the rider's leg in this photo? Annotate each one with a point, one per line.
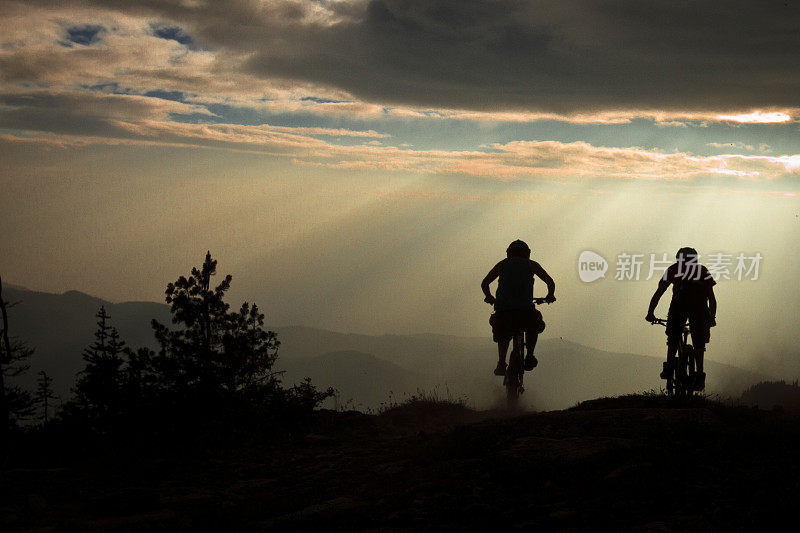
(672, 349)
(502, 350)
(502, 338)
(701, 334)
(699, 351)
(700, 376)
(676, 319)
(534, 326)
(530, 359)
(530, 342)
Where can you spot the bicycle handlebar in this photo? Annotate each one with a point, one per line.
(659, 321)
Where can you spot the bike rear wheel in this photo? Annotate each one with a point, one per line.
(681, 376)
(688, 370)
(691, 370)
(512, 396)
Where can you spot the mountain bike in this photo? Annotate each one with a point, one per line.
(681, 379)
(515, 371)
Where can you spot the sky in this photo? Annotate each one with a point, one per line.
(360, 165)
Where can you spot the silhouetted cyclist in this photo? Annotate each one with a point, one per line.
(513, 305)
(693, 300)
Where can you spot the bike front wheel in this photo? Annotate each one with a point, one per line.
(513, 381)
(512, 396)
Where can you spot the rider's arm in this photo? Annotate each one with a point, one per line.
(493, 274)
(537, 269)
(712, 305)
(663, 285)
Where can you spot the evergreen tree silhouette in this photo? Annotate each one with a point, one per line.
(250, 350)
(21, 403)
(44, 393)
(140, 375)
(213, 366)
(16, 404)
(99, 386)
(213, 352)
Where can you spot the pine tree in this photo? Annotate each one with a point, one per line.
(99, 387)
(250, 350)
(44, 393)
(191, 355)
(140, 375)
(214, 352)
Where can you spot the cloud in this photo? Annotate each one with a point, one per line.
(614, 116)
(518, 160)
(466, 61)
(525, 159)
(758, 117)
(96, 118)
(559, 56)
(87, 34)
(172, 33)
(136, 73)
(83, 112)
(564, 57)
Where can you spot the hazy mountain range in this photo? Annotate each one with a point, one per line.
(367, 370)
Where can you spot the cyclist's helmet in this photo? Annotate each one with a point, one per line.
(686, 254)
(518, 248)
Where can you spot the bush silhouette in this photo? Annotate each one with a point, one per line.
(768, 394)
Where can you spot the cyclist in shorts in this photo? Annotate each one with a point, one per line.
(693, 300)
(513, 305)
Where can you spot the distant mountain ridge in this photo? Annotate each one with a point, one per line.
(60, 326)
(462, 367)
(366, 369)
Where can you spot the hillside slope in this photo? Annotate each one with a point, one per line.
(362, 380)
(631, 464)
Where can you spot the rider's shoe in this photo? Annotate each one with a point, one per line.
(699, 381)
(501, 369)
(666, 373)
(530, 362)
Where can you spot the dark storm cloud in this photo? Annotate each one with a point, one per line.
(172, 33)
(550, 55)
(560, 55)
(85, 35)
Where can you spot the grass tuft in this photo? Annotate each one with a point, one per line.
(422, 399)
(650, 399)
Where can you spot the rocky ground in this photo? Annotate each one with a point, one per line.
(635, 463)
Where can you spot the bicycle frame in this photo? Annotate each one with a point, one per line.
(515, 371)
